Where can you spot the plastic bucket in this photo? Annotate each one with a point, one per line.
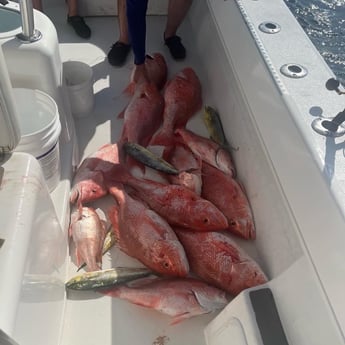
(40, 128)
(78, 79)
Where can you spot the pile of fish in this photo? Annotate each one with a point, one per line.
(175, 212)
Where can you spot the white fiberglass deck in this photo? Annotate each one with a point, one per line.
(91, 318)
(299, 249)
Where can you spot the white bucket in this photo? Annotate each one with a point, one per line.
(40, 128)
(78, 78)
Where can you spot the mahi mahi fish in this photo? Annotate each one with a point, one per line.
(179, 298)
(148, 158)
(216, 259)
(144, 235)
(88, 233)
(105, 278)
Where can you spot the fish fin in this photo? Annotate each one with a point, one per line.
(78, 257)
(70, 231)
(133, 164)
(181, 317)
(206, 304)
(105, 227)
(129, 90)
(162, 137)
(142, 281)
(220, 150)
(113, 214)
(81, 266)
(74, 195)
(242, 187)
(121, 114)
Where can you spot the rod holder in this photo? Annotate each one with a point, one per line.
(333, 127)
(29, 33)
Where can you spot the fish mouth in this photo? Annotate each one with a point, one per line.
(243, 228)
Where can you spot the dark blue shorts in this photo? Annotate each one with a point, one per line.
(136, 16)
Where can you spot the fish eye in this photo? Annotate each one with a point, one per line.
(233, 222)
(206, 220)
(166, 264)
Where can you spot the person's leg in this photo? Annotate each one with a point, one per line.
(136, 16)
(118, 53)
(37, 5)
(72, 6)
(76, 21)
(122, 18)
(177, 10)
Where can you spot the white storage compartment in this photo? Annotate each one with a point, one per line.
(33, 254)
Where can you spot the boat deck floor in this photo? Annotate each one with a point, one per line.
(91, 318)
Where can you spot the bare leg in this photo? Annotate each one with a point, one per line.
(122, 18)
(77, 22)
(177, 10)
(72, 8)
(37, 5)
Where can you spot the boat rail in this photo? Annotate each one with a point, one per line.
(29, 34)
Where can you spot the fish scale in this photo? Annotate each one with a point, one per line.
(146, 236)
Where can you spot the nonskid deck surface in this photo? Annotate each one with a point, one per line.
(91, 318)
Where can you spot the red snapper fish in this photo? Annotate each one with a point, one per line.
(182, 158)
(179, 298)
(177, 204)
(143, 115)
(215, 258)
(226, 193)
(89, 182)
(182, 96)
(156, 69)
(209, 151)
(88, 233)
(144, 235)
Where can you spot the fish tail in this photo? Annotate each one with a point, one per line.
(129, 90)
(121, 114)
(74, 195)
(179, 318)
(113, 292)
(163, 137)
